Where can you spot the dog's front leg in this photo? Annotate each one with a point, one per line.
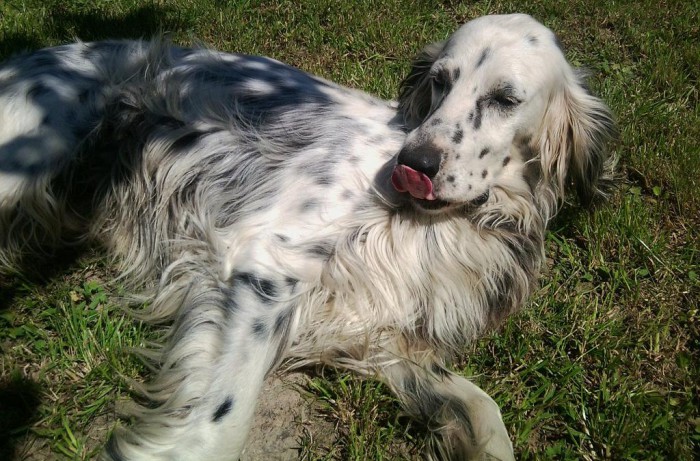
(466, 421)
(254, 333)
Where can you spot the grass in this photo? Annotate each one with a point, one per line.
(604, 363)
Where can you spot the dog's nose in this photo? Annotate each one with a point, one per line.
(424, 158)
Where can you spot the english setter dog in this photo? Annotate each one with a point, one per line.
(278, 218)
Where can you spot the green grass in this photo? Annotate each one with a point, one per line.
(604, 361)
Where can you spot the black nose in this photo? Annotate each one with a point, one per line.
(424, 158)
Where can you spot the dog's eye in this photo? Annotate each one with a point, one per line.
(505, 99)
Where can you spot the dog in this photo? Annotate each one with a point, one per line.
(278, 219)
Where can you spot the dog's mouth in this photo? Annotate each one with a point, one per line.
(420, 187)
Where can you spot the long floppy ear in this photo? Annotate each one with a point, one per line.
(573, 142)
(415, 92)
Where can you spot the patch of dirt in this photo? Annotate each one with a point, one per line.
(282, 418)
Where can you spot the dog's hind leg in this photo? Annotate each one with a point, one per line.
(466, 422)
(225, 341)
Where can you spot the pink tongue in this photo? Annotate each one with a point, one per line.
(406, 179)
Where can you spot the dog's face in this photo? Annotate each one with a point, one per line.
(480, 101)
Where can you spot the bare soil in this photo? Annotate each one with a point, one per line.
(283, 416)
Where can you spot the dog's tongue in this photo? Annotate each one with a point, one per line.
(406, 179)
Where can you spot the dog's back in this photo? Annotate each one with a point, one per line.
(83, 124)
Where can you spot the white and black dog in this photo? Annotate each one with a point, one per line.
(278, 218)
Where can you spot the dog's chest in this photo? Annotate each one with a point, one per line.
(318, 191)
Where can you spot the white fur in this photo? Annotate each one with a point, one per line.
(255, 203)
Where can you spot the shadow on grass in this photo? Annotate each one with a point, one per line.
(14, 43)
(144, 22)
(37, 270)
(63, 25)
(19, 401)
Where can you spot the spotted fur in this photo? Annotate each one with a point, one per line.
(254, 203)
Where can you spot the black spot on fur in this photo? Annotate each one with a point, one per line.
(477, 113)
(484, 153)
(470, 117)
(282, 238)
(282, 322)
(484, 173)
(37, 90)
(524, 141)
(458, 136)
(436, 121)
(265, 289)
(281, 332)
(291, 281)
(484, 55)
(451, 178)
(222, 410)
(231, 304)
(506, 161)
(309, 205)
(532, 40)
(455, 74)
(324, 250)
(260, 328)
(323, 179)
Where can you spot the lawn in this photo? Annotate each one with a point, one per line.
(604, 361)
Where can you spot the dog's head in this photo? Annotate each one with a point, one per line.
(495, 113)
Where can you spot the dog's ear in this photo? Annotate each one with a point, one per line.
(415, 92)
(573, 142)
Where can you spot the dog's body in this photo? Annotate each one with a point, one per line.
(281, 217)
